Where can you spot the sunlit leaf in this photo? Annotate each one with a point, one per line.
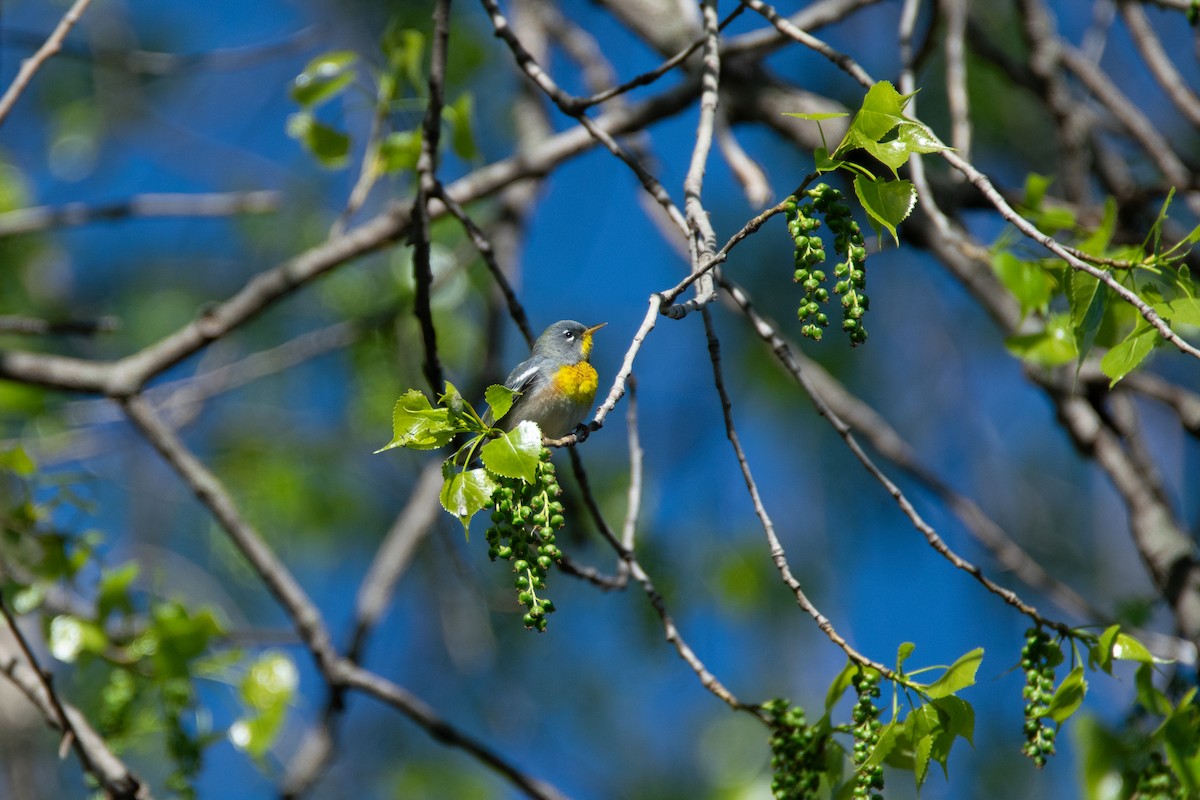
(399, 151)
(1068, 697)
(516, 454)
(887, 202)
(330, 146)
(113, 592)
(1027, 280)
(1125, 356)
(465, 493)
(499, 399)
(1051, 347)
(958, 676)
(323, 78)
(418, 425)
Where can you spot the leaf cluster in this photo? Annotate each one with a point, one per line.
(1078, 312)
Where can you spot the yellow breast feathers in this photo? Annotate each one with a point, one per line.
(577, 381)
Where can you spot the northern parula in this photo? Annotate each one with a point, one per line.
(557, 384)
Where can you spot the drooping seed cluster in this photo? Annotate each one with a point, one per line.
(1038, 658)
(850, 274)
(524, 522)
(868, 783)
(797, 752)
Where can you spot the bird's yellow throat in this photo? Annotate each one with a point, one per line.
(578, 381)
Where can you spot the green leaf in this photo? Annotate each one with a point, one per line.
(1087, 304)
(1181, 741)
(499, 399)
(1068, 697)
(418, 425)
(399, 151)
(1050, 347)
(1035, 190)
(882, 110)
(515, 454)
(924, 727)
(902, 653)
(958, 718)
(957, 676)
(71, 636)
(839, 685)
(323, 78)
(465, 493)
(18, 462)
(330, 146)
(461, 114)
(826, 163)
(1181, 310)
(1102, 651)
(1148, 695)
(889, 738)
(404, 49)
(267, 690)
(113, 592)
(1027, 280)
(1125, 356)
(1127, 648)
(917, 138)
(887, 202)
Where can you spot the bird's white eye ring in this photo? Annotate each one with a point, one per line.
(569, 335)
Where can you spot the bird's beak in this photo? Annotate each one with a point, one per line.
(594, 328)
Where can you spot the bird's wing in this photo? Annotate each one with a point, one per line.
(521, 379)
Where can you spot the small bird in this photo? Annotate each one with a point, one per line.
(557, 384)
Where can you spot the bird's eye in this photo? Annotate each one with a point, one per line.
(569, 335)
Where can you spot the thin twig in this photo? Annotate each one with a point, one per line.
(62, 721)
(957, 99)
(33, 326)
(570, 106)
(211, 492)
(427, 179)
(488, 253)
(702, 239)
(778, 555)
(141, 206)
(32, 64)
(782, 352)
(1159, 62)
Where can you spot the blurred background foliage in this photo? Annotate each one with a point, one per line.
(151, 97)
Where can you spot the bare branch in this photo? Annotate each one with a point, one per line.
(141, 206)
(778, 555)
(94, 755)
(31, 65)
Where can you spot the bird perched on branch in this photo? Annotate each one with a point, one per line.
(556, 382)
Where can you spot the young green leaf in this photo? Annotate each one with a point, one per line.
(113, 593)
(902, 653)
(461, 114)
(418, 425)
(267, 690)
(957, 676)
(887, 202)
(1125, 357)
(1050, 347)
(924, 728)
(466, 493)
(330, 146)
(1148, 694)
(499, 399)
(1181, 310)
(323, 78)
(515, 454)
(839, 685)
(399, 151)
(1027, 280)
(1087, 304)
(1068, 697)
